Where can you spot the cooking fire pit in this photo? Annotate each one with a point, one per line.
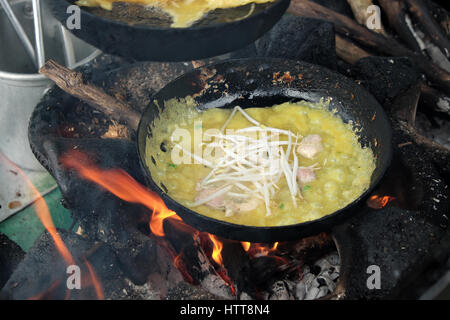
(127, 247)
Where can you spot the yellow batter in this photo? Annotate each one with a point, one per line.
(344, 174)
(183, 12)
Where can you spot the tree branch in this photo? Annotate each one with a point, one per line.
(72, 82)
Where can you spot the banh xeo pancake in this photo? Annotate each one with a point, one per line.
(183, 12)
(271, 166)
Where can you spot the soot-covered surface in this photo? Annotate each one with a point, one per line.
(401, 242)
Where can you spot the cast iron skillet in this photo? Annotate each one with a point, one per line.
(259, 83)
(131, 31)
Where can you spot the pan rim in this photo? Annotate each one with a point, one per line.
(318, 222)
(143, 27)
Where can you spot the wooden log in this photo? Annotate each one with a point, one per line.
(395, 11)
(348, 27)
(430, 98)
(348, 51)
(421, 12)
(435, 100)
(74, 84)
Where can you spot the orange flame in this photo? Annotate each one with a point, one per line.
(379, 202)
(217, 249)
(121, 184)
(97, 285)
(258, 249)
(44, 215)
(179, 264)
(246, 245)
(126, 188)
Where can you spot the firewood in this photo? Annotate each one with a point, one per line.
(348, 51)
(395, 11)
(431, 98)
(74, 84)
(435, 100)
(348, 27)
(431, 27)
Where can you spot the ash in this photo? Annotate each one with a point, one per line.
(317, 280)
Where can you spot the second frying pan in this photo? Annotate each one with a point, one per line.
(129, 31)
(250, 83)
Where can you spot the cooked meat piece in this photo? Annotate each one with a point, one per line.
(305, 175)
(234, 205)
(310, 146)
(215, 203)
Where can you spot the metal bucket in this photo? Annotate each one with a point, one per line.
(21, 87)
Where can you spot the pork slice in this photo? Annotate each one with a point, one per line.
(305, 175)
(216, 203)
(310, 146)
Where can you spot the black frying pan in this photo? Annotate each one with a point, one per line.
(133, 32)
(250, 83)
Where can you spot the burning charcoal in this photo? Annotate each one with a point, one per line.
(316, 269)
(217, 286)
(306, 270)
(326, 281)
(323, 291)
(35, 278)
(337, 269)
(183, 290)
(333, 258)
(280, 291)
(385, 77)
(245, 296)
(334, 276)
(323, 264)
(321, 281)
(300, 291)
(308, 280)
(312, 293)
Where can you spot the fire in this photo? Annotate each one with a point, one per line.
(96, 283)
(121, 184)
(44, 215)
(258, 249)
(379, 202)
(246, 245)
(217, 249)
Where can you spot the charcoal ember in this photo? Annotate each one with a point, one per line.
(300, 38)
(136, 254)
(101, 215)
(214, 284)
(300, 290)
(259, 274)
(312, 293)
(367, 234)
(245, 296)
(183, 290)
(333, 259)
(10, 256)
(323, 291)
(317, 281)
(35, 278)
(280, 291)
(385, 77)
